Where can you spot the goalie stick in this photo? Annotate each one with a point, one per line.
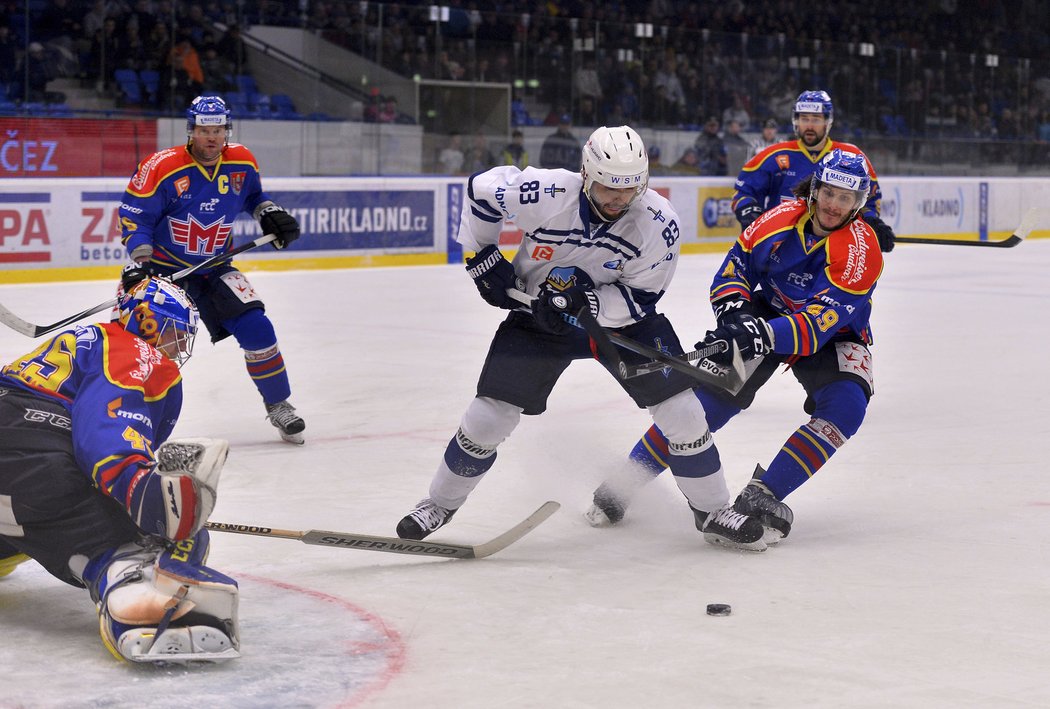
(729, 378)
(394, 545)
(1028, 223)
(30, 330)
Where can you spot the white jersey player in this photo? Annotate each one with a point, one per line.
(597, 244)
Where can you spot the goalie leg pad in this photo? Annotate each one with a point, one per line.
(162, 605)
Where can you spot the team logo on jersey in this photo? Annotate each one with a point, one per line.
(658, 215)
(553, 190)
(542, 253)
(181, 185)
(614, 265)
(199, 239)
(237, 181)
(783, 162)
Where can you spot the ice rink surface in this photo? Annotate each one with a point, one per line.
(917, 573)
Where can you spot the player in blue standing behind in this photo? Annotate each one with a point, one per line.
(794, 289)
(92, 490)
(769, 178)
(179, 209)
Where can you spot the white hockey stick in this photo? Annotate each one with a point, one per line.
(30, 330)
(1028, 223)
(393, 545)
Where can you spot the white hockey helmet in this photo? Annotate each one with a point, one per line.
(616, 158)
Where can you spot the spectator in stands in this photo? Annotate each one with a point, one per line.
(737, 148)
(217, 70)
(767, 138)
(688, 164)
(105, 52)
(655, 166)
(670, 94)
(231, 47)
(711, 150)
(737, 112)
(479, 156)
(189, 77)
(515, 153)
(561, 148)
(450, 159)
(33, 74)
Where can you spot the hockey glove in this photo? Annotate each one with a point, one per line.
(556, 311)
(275, 220)
(732, 310)
(884, 231)
(133, 274)
(175, 497)
(752, 336)
(747, 215)
(493, 275)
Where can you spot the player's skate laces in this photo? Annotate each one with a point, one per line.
(607, 510)
(427, 517)
(282, 415)
(728, 528)
(757, 501)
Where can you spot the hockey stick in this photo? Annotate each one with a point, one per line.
(30, 330)
(729, 378)
(1028, 223)
(393, 545)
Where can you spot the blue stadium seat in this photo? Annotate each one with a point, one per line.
(151, 82)
(128, 82)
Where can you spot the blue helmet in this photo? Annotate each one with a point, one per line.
(208, 111)
(814, 102)
(843, 170)
(159, 312)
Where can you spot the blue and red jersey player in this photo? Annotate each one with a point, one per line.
(179, 209)
(768, 178)
(96, 493)
(794, 289)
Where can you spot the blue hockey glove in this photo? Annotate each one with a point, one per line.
(275, 220)
(752, 336)
(550, 308)
(493, 275)
(748, 214)
(884, 231)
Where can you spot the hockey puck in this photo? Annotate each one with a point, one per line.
(719, 609)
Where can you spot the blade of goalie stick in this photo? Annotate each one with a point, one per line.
(729, 378)
(30, 330)
(1028, 223)
(393, 545)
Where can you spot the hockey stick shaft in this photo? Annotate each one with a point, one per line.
(1028, 223)
(30, 330)
(393, 545)
(730, 378)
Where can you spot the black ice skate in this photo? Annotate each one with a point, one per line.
(759, 502)
(608, 508)
(282, 415)
(427, 517)
(727, 528)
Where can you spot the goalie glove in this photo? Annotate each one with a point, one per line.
(174, 498)
(274, 219)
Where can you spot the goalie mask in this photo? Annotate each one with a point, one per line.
(159, 312)
(614, 158)
(841, 177)
(817, 103)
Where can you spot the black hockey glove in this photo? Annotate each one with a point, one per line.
(133, 274)
(747, 215)
(551, 307)
(275, 220)
(884, 231)
(731, 310)
(752, 335)
(493, 275)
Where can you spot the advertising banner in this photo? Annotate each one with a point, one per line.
(74, 147)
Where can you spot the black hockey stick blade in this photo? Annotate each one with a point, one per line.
(1028, 223)
(716, 347)
(394, 545)
(30, 330)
